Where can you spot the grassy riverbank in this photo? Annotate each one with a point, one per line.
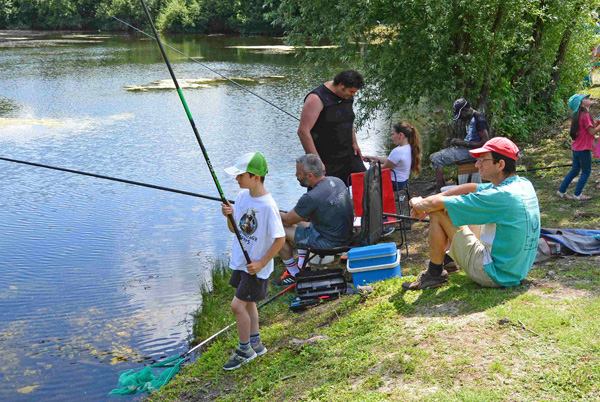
(536, 341)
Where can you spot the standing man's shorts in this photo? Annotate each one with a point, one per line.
(250, 288)
(449, 156)
(468, 251)
(342, 169)
(306, 237)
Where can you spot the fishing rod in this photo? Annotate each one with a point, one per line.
(191, 119)
(133, 382)
(154, 186)
(208, 68)
(550, 167)
(99, 176)
(233, 323)
(409, 218)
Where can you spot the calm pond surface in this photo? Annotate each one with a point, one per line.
(98, 277)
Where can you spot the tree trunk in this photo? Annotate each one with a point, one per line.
(561, 54)
(488, 72)
(462, 45)
(531, 65)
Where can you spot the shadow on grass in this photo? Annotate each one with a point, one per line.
(461, 296)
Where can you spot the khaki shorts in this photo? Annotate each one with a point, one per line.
(468, 251)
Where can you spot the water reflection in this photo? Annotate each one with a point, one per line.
(100, 277)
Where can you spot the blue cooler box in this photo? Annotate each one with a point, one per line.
(374, 263)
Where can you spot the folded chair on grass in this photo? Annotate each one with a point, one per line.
(388, 204)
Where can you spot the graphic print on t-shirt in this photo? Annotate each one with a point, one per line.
(532, 220)
(248, 223)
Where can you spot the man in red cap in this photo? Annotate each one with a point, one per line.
(505, 210)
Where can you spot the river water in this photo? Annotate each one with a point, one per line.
(98, 277)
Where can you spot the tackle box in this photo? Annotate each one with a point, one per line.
(320, 284)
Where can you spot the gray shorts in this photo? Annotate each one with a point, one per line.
(250, 288)
(308, 237)
(449, 156)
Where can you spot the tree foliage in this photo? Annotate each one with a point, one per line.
(517, 60)
(195, 16)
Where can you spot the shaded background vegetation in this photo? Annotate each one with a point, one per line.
(518, 61)
(188, 16)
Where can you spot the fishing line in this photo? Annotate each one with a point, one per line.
(208, 68)
(191, 120)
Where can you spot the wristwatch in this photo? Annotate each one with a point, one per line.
(468, 143)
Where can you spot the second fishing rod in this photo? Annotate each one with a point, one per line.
(193, 124)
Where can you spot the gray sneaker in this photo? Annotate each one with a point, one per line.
(238, 358)
(260, 349)
(426, 281)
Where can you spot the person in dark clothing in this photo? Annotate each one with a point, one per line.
(328, 207)
(477, 136)
(327, 125)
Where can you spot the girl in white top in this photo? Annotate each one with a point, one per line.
(403, 159)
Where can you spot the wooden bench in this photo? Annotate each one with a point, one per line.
(467, 172)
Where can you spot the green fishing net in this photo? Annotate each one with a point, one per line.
(145, 380)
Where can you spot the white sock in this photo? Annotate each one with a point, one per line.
(291, 266)
(301, 257)
(294, 269)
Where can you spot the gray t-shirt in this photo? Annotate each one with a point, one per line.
(329, 208)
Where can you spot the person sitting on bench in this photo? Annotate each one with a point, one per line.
(477, 135)
(328, 207)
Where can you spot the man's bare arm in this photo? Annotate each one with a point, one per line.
(483, 134)
(290, 218)
(355, 144)
(310, 113)
(460, 189)
(423, 206)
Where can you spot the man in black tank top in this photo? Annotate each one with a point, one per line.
(327, 125)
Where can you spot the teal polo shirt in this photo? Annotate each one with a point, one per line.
(510, 215)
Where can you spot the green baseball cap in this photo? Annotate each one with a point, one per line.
(252, 162)
(575, 102)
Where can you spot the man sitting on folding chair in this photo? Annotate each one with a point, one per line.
(328, 207)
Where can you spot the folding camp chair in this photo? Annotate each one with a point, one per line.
(391, 207)
(388, 204)
(402, 195)
(371, 222)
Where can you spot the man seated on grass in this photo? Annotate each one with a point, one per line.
(328, 207)
(507, 207)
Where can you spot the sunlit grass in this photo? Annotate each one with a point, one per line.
(461, 342)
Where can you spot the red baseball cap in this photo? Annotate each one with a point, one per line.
(501, 145)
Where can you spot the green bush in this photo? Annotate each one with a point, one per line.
(518, 61)
(199, 16)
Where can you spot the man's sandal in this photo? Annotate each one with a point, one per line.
(582, 197)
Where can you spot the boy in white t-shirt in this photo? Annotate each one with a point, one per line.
(259, 224)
